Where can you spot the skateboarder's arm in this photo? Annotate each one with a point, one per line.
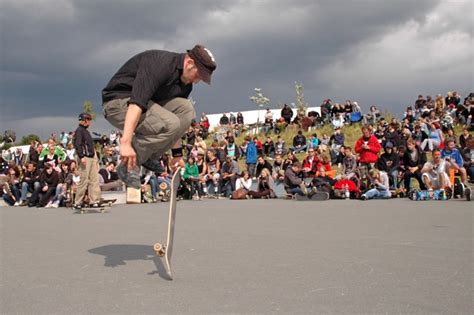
(127, 153)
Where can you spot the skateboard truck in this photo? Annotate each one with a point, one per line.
(160, 250)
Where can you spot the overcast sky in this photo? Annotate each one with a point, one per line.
(55, 54)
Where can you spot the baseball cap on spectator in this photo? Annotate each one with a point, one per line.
(204, 61)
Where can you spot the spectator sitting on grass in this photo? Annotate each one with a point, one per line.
(299, 142)
(265, 186)
(293, 183)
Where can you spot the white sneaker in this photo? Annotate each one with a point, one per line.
(55, 204)
(17, 204)
(49, 205)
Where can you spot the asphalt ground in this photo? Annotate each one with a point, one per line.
(248, 256)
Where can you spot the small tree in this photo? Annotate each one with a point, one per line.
(89, 109)
(260, 100)
(29, 138)
(300, 103)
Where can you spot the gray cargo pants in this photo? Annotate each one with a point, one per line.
(158, 128)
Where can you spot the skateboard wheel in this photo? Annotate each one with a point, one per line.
(159, 249)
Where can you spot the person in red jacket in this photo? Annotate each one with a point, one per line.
(368, 148)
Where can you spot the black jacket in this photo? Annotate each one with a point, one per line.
(83, 143)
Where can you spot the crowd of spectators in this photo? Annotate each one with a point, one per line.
(390, 155)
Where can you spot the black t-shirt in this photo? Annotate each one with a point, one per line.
(151, 75)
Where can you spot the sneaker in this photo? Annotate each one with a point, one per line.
(16, 204)
(130, 178)
(95, 205)
(303, 188)
(154, 165)
(363, 197)
(467, 193)
(23, 203)
(77, 207)
(49, 205)
(55, 204)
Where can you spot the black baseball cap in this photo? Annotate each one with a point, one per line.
(204, 61)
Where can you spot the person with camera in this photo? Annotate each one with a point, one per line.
(380, 186)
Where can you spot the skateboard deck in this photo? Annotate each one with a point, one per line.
(420, 195)
(167, 250)
(316, 196)
(101, 209)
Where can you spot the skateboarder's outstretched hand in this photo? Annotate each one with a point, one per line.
(128, 155)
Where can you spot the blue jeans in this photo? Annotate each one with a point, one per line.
(16, 192)
(25, 188)
(378, 194)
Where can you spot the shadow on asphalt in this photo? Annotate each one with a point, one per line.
(117, 255)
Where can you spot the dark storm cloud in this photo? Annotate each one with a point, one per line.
(56, 54)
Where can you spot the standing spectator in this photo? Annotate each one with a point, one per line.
(224, 121)
(251, 157)
(88, 164)
(368, 148)
(287, 113)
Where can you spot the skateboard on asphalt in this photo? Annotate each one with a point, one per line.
(163, 250)
(102, 208)
(315, 196)
(418, 195)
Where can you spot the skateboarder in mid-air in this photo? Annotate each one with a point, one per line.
(147, 98)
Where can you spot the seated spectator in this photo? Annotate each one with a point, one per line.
(323, 182)
(61, 189)
(313, 142)
(49, 180)
(349, 165)
(290, 159)
(70, 151)
(434, 173)
(278, 169)
(30, 181)
(413, 160)
(418, 135)
(293, 183)
(231, 149)
(371, 117)
(454, 160)
(435, 138)
(191, 176)
(380, 183)
(338, 121)
(368, 148)
(265, 186)
(11, 187)
(109, 179)
(389, 163)
(325, 161)
(213, 172)
(244, 181)
(280, 146)
(464, 138)
(336, 141)
(261, 164)
(324, 143)
(280, 125)
(51, 157)
(468, 157)
(229, 173)
(269, 148)
(310, 163)
(392, 135)
(259, 145)
(299, 142)
(268, 123)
